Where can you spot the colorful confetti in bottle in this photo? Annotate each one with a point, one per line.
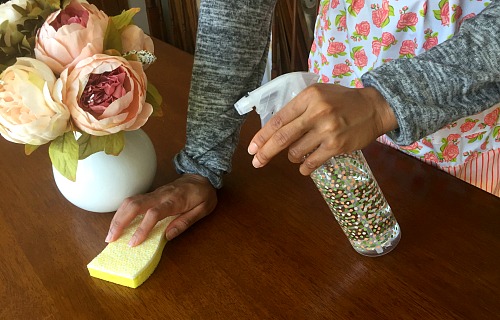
(355, 199)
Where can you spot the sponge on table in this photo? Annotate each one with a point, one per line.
(130, 266)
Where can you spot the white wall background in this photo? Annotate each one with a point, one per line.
(141, 18)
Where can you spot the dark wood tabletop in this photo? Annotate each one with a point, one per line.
(270, 250)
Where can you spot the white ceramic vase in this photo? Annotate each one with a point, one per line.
(104, 181)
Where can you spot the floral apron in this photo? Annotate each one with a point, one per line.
(355, 36)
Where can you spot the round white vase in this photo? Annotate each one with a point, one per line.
(104, 181)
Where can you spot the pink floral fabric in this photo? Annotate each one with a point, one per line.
(355, 36)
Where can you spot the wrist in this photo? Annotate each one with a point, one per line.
(385, 116)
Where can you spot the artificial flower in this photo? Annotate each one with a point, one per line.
(19, 22)
(72, 34)
(136, 42)
(133, 38)
(30, 110)
(82, 90)
(106, 94)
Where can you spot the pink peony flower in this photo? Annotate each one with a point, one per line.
(450, 152)
(376, 45)
(431, 157)
(484, 145)
(335, 48)
(70, 35)
(342, 23)
(357, 5)
(445, 14)
(413, 146)
(313, 47)
(324, 59)
(381, 14)
(453, 137)
(430, 42)
(133, 38)
(341, 69)
(409, 19)
(473, 136)
(458, 12)
(388, 39)
(360, 58)
(408, 47)
(30, 109)
(427, 142)
(358, 83)
(424, 8)
(491, 118)
(106, 94)
(467, 126)
(363, 28)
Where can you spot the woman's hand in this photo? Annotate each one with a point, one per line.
(322, 121)
(191, 197)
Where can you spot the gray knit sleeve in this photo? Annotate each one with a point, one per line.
(457, 78)
(230, 58)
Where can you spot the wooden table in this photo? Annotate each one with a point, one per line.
(270, 250)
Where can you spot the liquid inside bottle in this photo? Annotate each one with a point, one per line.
(359, 206)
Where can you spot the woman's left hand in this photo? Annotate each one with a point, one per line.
(324, 120)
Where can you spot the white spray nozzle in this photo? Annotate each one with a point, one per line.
(272, 96)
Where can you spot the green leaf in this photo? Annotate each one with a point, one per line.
(29, 149)
(391, 11)
(111, 144)
(54, 4)
(496, 130)
(154, 97)
(125, 18)
(442, 3)
(112, 38)
(63, 152)
(22, 11)
(356, 49)
(437, 14)
(115, 143)
(385, 22)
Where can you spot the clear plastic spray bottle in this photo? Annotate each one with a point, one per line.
(345, 181)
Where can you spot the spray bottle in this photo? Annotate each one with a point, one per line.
(345, 181)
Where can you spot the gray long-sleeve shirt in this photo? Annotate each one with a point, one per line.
(230, 57)
(458, 78)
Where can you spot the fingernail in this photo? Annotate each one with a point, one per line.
(172, 233)
(256, 163)
(132, 241)
(252, 148)
(108, 237)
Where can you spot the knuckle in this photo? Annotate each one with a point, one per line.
(329, 145)
(294, 155)
(259, 139)
(115, 223)
(311, 164)
(132, 203)
(263, 157)
(140, 232)
(281, 138)
(312, 90)
(184, 223)
(154, 214)
(276, 122)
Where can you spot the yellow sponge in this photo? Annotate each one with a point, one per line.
(130, 266)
